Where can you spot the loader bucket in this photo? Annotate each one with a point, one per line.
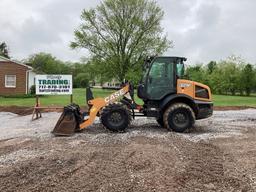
(69, 121)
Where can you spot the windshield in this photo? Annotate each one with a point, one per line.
(160, 80)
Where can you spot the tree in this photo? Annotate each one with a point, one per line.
(120, 33)
(81, 80)
(4, 50)
(230, 76)
(211, 66)
(196, 73)
(46, 63)
(247, 77)
(216, 80)
(42, 62)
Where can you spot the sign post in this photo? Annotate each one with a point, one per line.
(51, 85)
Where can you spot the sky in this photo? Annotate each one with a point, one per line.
(202, 30)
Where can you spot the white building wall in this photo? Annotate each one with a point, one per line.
(31, 79)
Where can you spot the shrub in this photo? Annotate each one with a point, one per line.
(81, 80)
(32, 90)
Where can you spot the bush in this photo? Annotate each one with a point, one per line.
(32, 90)
(81, 80)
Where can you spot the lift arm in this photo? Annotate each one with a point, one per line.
(98, 103)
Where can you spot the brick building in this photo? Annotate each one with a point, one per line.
(15, 78)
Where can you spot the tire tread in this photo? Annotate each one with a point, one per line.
(174, 107)
(111, 107)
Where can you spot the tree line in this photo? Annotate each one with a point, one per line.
(45, 63)
(231, 76)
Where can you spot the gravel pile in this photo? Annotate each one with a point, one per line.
(13, 125)
(20, 155)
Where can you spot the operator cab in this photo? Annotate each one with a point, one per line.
(160, 77)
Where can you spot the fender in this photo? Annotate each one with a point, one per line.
(178, 98)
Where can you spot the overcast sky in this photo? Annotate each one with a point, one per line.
(202, 30)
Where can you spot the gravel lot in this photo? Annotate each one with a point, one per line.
(218, 154)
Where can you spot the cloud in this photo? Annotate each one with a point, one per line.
(29, 27)
(201, 30)
(212, 30)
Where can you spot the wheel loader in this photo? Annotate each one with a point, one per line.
(174, 102)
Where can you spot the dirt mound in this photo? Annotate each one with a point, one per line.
(17, 110)
(27, 110)
(141, 164)
(228, 108)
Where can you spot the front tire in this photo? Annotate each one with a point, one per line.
(179, 117)
(116, 117)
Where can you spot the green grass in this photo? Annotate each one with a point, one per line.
(79, 98)
(54, 100)
(227, 100)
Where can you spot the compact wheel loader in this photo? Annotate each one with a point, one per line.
(174, 102)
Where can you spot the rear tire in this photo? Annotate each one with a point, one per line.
(116, 117)
(179, 117)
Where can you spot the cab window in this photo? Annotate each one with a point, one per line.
(160, 78)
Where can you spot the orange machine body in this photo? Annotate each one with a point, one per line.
(189, 88)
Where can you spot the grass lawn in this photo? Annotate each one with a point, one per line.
(227, 100)
(55, 100)
(79, 98)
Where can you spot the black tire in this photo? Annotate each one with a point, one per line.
(160, 121)
(116, 117)
(179, 117)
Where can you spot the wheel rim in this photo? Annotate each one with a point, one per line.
(180, 119)
(115, 118)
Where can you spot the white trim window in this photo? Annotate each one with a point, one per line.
(10, 81)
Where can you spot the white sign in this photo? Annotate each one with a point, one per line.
(54, 84)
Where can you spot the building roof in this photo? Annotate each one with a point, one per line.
(13, 61)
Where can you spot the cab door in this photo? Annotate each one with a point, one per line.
(161, 81)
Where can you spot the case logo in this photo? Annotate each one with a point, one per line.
(114, 96)
(185, 85)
